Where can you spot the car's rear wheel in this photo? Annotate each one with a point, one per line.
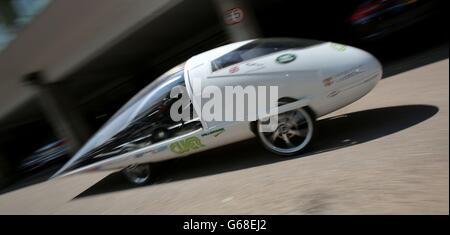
(293, 134)
(138, 174)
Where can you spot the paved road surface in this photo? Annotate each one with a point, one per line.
(388, 153)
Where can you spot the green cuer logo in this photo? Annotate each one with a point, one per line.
(186, 145)
(286, 58)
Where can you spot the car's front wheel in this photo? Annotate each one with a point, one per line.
(138, 174)
(292, 136)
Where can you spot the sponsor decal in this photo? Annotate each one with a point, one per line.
(343, 76)
(253, 66)
(233, 16)
(153, 151)
(349, 73)
(328, 81)
(214, 132)
(338, 47)
(333, 94)
(372, 77)
(361, 83)
(186, 145)
(286, 58)
(234, 69)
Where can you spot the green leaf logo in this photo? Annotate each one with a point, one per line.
(338, 47)
(286, 58)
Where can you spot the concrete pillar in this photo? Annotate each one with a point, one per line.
(60, 111)
(238, 19)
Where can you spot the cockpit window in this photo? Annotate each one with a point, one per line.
(143, 121)
(170, 75)
(260, 47)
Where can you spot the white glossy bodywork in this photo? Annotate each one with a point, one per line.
(324, 77)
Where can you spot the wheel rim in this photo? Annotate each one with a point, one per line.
(138, 174)
(294, 132)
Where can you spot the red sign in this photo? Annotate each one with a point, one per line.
(328, 81)
(234, 16)
(234, 69)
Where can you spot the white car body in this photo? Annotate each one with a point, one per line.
(323, 77)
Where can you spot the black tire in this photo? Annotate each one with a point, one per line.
(296, 149)
(139, 174)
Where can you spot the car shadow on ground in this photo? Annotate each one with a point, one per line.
(423, 56)
(331, 133)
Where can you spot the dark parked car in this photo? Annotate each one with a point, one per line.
(375, 19)
(57, 151)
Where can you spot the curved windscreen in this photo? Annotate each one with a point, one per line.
(260, 47)
(134, 125)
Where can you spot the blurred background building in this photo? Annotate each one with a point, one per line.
(67, 66)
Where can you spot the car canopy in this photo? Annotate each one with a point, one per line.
(128, 128)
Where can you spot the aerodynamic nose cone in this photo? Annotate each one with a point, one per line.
(368, 62)
(354, 72)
